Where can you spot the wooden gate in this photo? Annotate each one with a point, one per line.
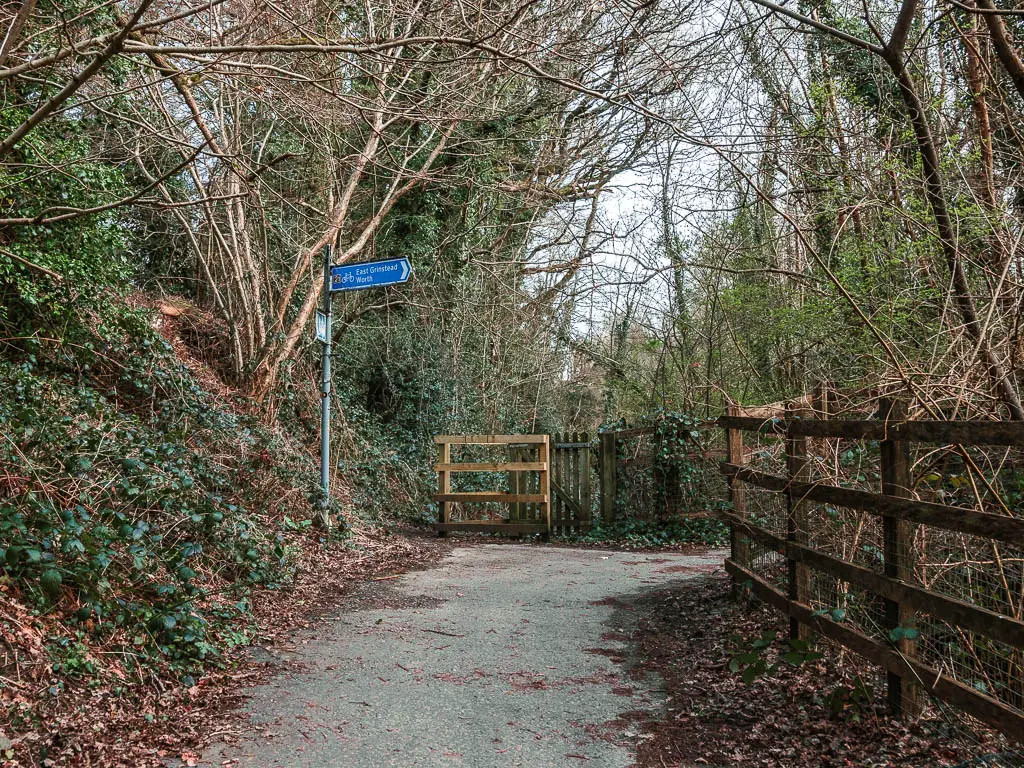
(549, 484)
(529, 498)
(571, 459)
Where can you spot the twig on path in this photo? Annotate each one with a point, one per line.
(439, 632)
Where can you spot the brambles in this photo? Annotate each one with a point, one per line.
(762, 655)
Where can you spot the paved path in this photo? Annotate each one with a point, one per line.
(503, 655)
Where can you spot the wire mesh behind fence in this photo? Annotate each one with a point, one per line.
(668, 471)
(983, 574)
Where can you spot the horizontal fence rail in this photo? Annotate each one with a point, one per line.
(904, 603)
(963, 432)
(959, 519)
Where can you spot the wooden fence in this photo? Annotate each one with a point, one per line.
(623, 457)
(903, 599)
(638, 480)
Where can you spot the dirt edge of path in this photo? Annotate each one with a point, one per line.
(174, 723)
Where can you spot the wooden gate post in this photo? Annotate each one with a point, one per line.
(556, 510)
(798, 470)
(739, 545)
(898, 536)
(824, 403)
(608, 468)
(444, 484)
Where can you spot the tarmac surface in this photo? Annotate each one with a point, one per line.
(502, 655)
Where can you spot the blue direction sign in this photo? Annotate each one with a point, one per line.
(370, 274)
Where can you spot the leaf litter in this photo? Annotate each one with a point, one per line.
(803, 715)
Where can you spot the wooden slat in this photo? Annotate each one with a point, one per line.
(559, 475)
(569, 505)
(488, 439)
(984, 524)
(566, 499)
(1009, 433)
(1003, 718)
(496, 496)
(491, 526)
(971, 617)
(577, 478)
(499, 466)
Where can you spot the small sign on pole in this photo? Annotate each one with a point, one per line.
(321, 327)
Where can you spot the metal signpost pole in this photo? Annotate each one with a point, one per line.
(348, 277)
(325, 405)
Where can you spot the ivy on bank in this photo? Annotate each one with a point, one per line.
(133, 504)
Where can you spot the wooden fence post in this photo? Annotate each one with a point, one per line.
(739, 545)
(898, 537)
(572, 474)
(444, 484)
(544, 483)
(824, 399)
(608, 468)
(798, 470)
(572, 480)
(556, 511)
(824, 404)
(585, 500)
